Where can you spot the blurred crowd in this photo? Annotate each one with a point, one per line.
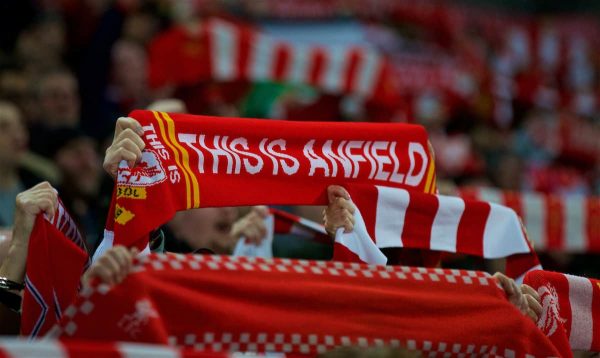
(510, 100)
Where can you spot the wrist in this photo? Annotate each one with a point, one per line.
(21, 232)
(19, 242)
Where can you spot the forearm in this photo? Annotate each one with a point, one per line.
(13, 269)
(13, 266)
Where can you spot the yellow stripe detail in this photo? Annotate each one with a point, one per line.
(430, 172)
(186, 159)
(164, 136)
(434, 185)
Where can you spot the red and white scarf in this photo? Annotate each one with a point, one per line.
(566, 223)
(55, 261)
(396, 217)
(571, 309)
(228, 51)
(223, 304)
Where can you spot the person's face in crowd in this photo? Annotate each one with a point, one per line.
(59, 100)
(13, 135)
(80, 166)
(129, 68)
(41, 46)
(206, 228)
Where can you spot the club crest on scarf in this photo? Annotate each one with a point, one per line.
(550, 317)
(132, 323)
(148, 172)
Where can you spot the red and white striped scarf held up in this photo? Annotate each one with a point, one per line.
(395, 217)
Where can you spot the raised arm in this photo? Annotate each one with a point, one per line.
(41, 198)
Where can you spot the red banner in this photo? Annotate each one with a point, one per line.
(198, 161)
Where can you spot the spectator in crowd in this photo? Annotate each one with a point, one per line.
(80, 167)
(57, 106)
(215, 229)
(128, 88)
(58, 99)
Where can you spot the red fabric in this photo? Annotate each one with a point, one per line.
(418, 222)
(178, 58)
(55, 261)
(471, 228)
(592, 224)
(555, 222)
(272, 162)
(226, 303)
(571, 309)
(343, 254)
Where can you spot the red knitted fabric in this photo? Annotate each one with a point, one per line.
(219, 303)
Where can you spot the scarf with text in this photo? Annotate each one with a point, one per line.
(56, 258)
(221, 304)
(571, 309)
(198, 161)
